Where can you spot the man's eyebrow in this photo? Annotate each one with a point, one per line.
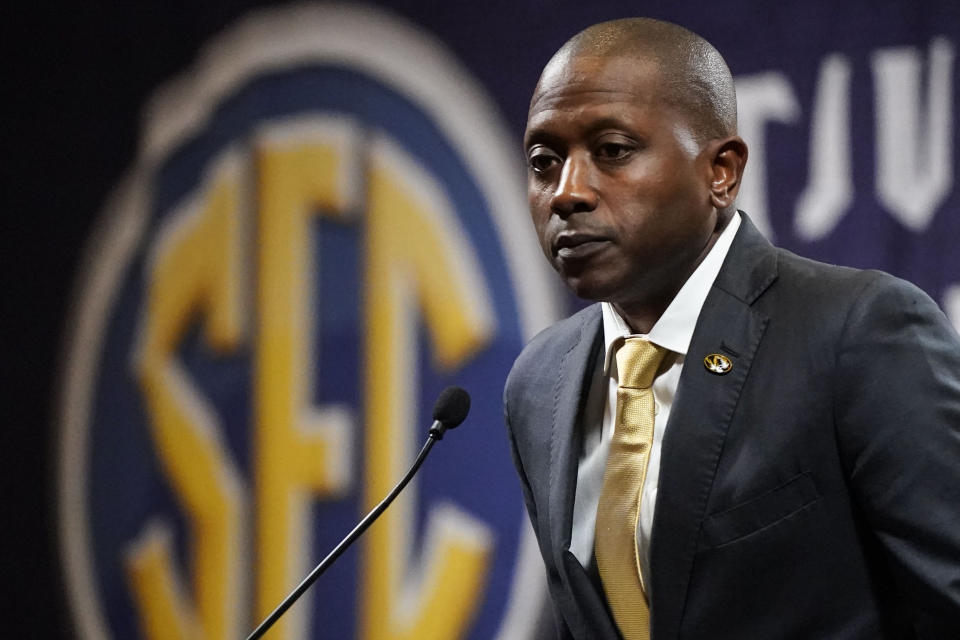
(546, 134)
(606, 122)
(539, 135)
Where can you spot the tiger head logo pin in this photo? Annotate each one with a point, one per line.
(718, 364)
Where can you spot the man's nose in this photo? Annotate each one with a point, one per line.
(575, 191)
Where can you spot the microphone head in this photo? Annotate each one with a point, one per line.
(451, 407)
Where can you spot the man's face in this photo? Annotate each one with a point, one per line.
(618, 186)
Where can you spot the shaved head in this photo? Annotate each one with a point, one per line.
(693, 75)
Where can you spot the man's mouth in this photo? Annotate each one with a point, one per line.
(577, 245)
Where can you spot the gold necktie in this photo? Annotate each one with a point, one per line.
(619, 508)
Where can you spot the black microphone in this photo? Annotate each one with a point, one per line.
(449, 411)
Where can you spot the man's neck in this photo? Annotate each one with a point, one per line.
(641, 315)
(641, 318)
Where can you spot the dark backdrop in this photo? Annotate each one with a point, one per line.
(76, 77)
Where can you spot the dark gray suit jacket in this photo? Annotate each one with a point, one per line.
(811, 492)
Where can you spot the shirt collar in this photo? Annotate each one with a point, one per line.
(674, 329)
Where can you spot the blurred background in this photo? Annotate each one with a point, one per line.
(247, 243)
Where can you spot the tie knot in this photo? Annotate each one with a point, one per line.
(637, 363)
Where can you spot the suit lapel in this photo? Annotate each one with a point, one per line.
(569, 393)
(701, 415)
(586, 612)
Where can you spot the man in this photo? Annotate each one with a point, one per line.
(736, 442)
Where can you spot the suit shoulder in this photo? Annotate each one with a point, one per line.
(547, 347)
(821, 275)
(850, 296)
(811, 276)
(565, 331)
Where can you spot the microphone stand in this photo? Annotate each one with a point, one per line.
(436, 433)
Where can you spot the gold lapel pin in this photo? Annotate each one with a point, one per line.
(718, 363)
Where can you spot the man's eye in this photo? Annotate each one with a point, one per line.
(541, 159)
(613, 150)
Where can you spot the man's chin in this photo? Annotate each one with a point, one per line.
(590, 288)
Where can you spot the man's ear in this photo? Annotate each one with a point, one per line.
(729, 159)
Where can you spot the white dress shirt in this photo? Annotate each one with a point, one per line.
(672, 331)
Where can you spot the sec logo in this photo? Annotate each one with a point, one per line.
(312, 243)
